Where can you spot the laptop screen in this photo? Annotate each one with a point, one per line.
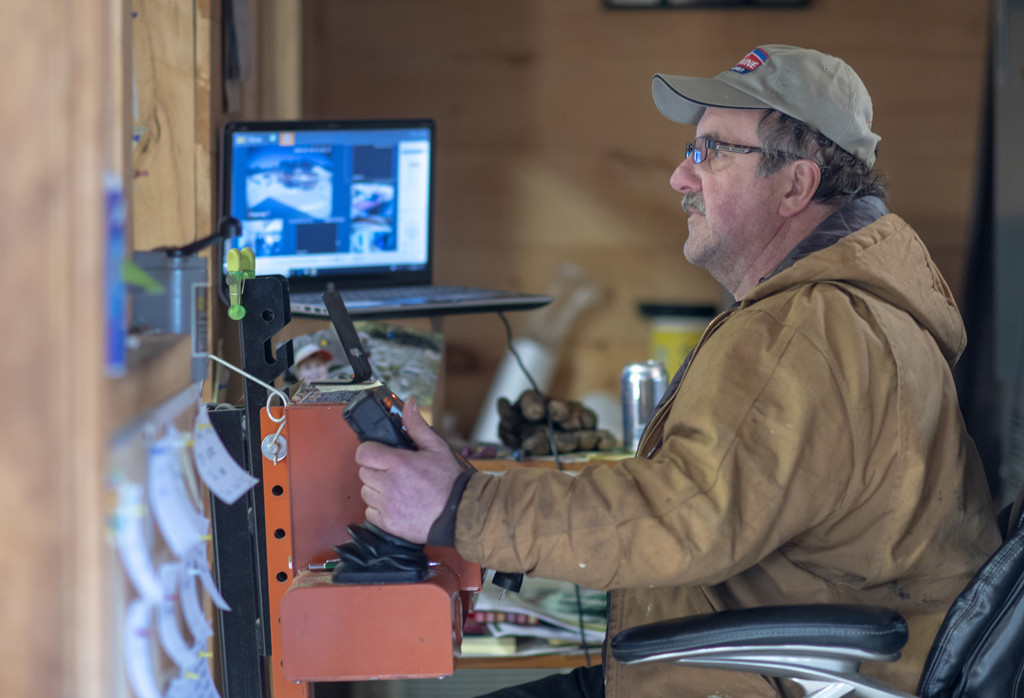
(341, 202)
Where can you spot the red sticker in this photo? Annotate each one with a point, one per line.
(751, 62)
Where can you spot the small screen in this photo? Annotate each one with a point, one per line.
(316, 202)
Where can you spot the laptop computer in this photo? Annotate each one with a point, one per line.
(345, 206)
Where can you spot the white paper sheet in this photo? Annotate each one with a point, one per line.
(182, 652)
(132, 544)
(181, 524)
(192, 606)
(194, 684)
(196, 563)
(226, 479)
(138, 649)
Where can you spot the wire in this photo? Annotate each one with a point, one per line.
(272, 392)
(533, 384)
(558, 464)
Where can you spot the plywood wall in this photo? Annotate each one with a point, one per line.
(58, 117)
(551, 150)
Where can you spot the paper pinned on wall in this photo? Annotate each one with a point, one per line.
(196, 565)
(132, 544)
(168, 627)
(226, 479)
(194, 684)
(138, 652)
(192, 607)
(182, 525)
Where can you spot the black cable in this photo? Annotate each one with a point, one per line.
(558, 464)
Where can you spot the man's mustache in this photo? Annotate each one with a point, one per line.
(693, 200)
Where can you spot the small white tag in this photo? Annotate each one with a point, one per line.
(225, 478)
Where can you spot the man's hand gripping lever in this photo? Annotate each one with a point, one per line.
(404, 492)
(374, 556)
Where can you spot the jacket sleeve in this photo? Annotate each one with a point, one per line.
(758, 448)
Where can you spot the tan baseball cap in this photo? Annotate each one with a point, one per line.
(818, 89)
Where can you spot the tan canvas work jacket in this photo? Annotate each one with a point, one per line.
(813, 452)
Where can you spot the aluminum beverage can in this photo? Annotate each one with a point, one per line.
(643, 385)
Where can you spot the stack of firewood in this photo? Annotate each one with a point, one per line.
(524, 426)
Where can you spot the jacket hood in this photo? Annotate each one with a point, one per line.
(884, 258)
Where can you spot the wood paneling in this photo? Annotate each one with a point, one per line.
(164, 190)
(61, 70)
(72, 79)
(551, 150)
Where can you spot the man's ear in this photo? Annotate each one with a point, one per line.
(804, 182)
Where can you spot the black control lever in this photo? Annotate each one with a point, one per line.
(374, 556)
(375, 414)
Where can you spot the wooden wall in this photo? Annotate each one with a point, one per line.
(551, 150)
(59, 118)
(78, 77)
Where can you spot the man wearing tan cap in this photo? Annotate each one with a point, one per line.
(810, 450)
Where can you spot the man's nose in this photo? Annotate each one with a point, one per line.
(684, 177)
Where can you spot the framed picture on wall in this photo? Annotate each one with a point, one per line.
(681, 4)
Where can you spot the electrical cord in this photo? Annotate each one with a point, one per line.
(558, 464)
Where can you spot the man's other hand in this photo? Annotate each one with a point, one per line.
(405, 491)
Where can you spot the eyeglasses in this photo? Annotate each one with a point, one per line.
(702, 144)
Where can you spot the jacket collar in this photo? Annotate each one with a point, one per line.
(857, 214)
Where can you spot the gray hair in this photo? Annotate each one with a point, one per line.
(844, 177)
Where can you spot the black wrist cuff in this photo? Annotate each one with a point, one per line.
(442, 531)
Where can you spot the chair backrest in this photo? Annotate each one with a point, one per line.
(979, 650)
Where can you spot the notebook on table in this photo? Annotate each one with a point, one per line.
(345, 206)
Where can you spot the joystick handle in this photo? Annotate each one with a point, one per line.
(376, 415)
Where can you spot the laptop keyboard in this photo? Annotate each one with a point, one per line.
(433, 293)
(402, 295)
(413, 301)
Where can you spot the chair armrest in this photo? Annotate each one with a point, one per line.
(820, 646)
(867, 628)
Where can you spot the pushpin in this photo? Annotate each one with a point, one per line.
(241, 265)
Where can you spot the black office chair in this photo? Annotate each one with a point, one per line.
(978, 651)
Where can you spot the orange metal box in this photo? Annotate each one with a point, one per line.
(331, 632)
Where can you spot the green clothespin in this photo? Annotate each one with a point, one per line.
(241, 266)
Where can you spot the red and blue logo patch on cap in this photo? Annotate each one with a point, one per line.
(751, 62)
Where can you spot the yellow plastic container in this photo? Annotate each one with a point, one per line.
(675, 330)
